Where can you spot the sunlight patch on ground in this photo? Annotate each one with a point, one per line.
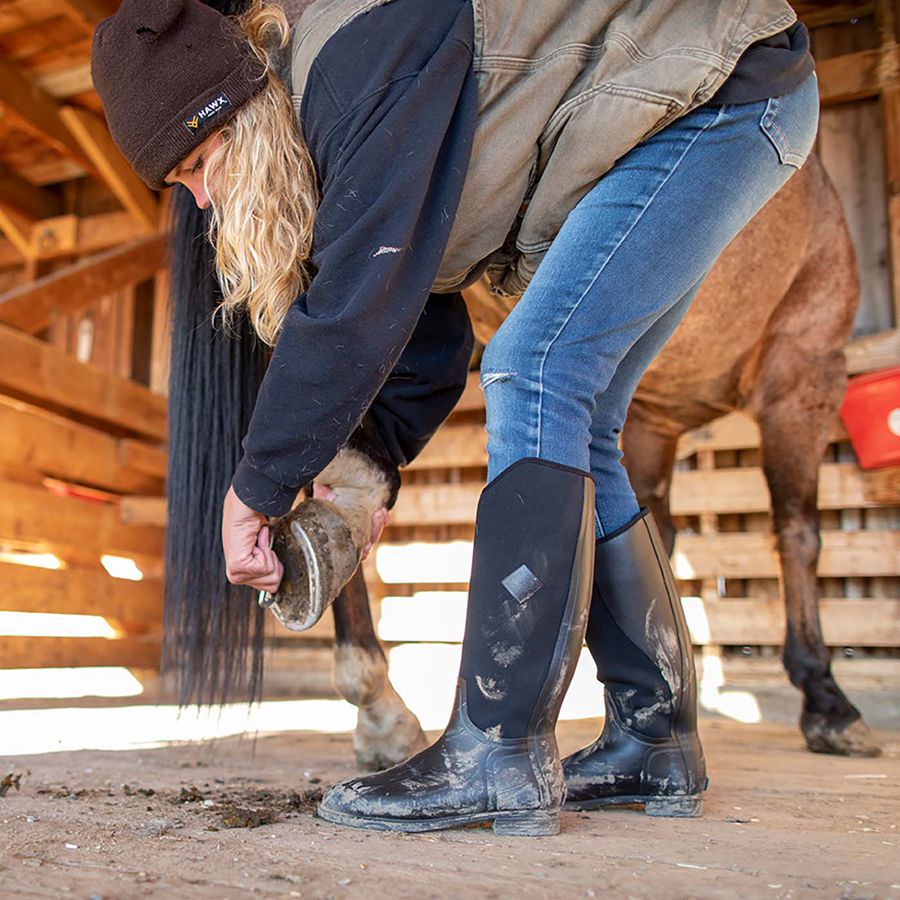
(135, 727)
(741, 706)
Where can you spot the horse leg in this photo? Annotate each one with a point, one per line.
(649, 455)
(386, 731)
(795, 400)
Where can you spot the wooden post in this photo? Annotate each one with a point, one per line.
(887, 18)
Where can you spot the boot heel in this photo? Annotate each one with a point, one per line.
(687, 806)
(531, 822)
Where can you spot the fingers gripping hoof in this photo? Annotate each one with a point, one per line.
(320, 542)
(847, 739)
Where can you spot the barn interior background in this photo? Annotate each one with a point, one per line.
(83, 364)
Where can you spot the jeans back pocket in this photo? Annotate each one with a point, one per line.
(791, 122)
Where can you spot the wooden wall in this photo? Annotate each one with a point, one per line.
(83, 369)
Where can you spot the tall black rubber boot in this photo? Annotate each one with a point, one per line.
(498, 760)
(649, 751)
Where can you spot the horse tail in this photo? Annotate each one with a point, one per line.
(212, 630)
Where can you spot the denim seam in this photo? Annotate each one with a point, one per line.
(599, 272)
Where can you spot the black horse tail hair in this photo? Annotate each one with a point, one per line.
(212, 630)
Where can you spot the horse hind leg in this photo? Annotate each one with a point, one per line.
(386, 731)
(798, 388)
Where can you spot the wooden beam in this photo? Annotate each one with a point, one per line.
(875, 351)
(454, 446)
(59, 448)
(80, 592)
(815, 15)
(73, 235)
(72, 652)
(752, 555)
(143, 511)
(35, 516)
(94, 139)
(26, 199)
(38, 373)
(744, 490)
(88, 13)
(854, 76)
(35, 111)
(882, 486)
(865, 622)
(30, 307)
(17, 229)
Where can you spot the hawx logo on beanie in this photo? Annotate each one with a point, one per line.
(168, 73)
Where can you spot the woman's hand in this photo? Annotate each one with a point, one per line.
(379, 517)
(245, 539)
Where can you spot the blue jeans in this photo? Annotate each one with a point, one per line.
(559, 374)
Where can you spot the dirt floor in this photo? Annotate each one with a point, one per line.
(236, 817)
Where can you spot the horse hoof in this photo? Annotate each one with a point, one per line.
(316, 547)
(850, 739)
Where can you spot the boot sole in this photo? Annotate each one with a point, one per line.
(525, 823)
(686, 806)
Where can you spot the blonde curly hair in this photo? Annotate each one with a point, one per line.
(265, 194)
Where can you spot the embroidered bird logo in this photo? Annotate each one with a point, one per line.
(193, 123)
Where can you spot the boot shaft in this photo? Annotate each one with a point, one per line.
(638, 635)
(529, 596)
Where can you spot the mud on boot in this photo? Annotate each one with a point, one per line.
(649, 751)
(497, 761)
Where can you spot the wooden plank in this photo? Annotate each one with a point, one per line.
(67, 652)
(439, 616)
(472, 397)
(145, 458)
(31, 306)
(43, 375)
(744, 490)
(80, 592)
(71, 235)
(854, 76)
(37, 517)
(88, 13)
(92, 136)
(57, 447)
(34, 110)
(456, 446)
(874, 351)
(861, 622)
(815, 15)
(28, 200)
(17, 228)
(161, 343)
(752, 555)
(882, 486)
(143, 511)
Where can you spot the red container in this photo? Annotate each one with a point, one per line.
(871, 412)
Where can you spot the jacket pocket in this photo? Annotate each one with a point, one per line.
(790, 122)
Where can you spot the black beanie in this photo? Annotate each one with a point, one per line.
(170, 72)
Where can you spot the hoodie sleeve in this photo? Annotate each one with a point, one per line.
(392, 164)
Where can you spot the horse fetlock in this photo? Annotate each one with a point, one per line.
(360, 675)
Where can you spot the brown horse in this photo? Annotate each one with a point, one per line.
(765, 335)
